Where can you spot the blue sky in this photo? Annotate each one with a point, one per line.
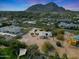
(20, 5)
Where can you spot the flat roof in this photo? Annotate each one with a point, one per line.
(1, 33)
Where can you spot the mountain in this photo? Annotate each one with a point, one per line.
(50, 7)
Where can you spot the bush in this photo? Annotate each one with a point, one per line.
(60, 31)
(51, 57)
(32, 34)
(17, 44)
(60, 37)
(46, 47)
(35, 30)
(18, 37)
(4, 42)
(64, 56)
(58, 44)
(32, 50)
(37, 34)
(57, 56)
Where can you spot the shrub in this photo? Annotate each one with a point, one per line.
(60, 31)
(60, 37)
(46, 47)
(32, 34)
(64, 56)
(4, 42)
(17, 44)
(58, 44)
(57, 56)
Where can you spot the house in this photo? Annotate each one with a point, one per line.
(30, 22)
(10, 31)
(44, 34)
(74, 40)
(41, 33)
(68, 25)
(3, 18)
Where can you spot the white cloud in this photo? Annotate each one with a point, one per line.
(74, 7)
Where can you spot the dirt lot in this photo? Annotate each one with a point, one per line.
(72, 52)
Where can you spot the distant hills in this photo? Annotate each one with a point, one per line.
(50, 7)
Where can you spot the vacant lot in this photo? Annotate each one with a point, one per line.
(72, 52)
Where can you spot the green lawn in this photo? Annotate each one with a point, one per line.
(8, 53)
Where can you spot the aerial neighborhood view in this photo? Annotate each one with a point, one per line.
(39, 29)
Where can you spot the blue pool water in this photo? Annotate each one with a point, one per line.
(76, 37)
